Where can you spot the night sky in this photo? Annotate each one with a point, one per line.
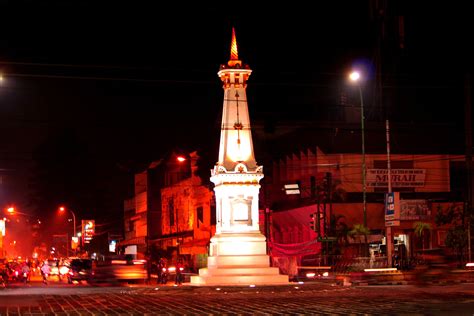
(93, 92)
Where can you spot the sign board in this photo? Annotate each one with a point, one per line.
(2, 227)
(392, 206)
(400, 178)
(392, 223)
(88, 230)
(74, 242)
(112, 245)
(292, 188)
(415, 210)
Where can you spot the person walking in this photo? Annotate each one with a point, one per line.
(161, 270)
(45, 271)
(179, 272)
(25, 272)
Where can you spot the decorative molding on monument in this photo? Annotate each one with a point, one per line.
(240, 175)
(240, 168)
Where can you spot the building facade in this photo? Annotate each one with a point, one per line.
(331, 188)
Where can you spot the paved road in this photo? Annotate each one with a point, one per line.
(297, 299)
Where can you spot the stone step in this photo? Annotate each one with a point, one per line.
(242, 271)
(240, 280)
(238, 261)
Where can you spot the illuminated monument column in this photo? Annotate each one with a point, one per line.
(238, 252)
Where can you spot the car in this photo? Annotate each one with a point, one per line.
(80, 269)
(120, 269)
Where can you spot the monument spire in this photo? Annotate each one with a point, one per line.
(234, 53)
(238, 250)
(236, 138)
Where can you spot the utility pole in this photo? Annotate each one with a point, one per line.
(468, 133)
(389, 237)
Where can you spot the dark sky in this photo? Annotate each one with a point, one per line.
(130, 81)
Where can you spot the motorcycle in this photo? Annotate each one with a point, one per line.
(179, 275)
(3, 280)
(163, 276)
(25, 277)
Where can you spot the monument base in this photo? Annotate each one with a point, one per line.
(239, 259)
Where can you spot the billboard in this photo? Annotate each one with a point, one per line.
(88, 230)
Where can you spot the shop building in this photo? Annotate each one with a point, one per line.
(170, 212)
(330, 185)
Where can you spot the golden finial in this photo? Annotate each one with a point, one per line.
(234, 53)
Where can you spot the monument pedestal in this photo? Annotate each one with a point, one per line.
(239, 259)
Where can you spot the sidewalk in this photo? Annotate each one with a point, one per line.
(403, 278)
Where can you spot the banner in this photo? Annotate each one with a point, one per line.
(392, 206)
(283, 250)
(414, 210)
(401, 178)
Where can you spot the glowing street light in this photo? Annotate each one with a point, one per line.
(62, 209)
(181, 159)
(11, 210)
(356, 77)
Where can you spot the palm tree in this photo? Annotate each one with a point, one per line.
(340, 229)
(420, 229)
(338, 194)
(360, 230)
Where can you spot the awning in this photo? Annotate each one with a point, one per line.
(132, 241)
(187, 233)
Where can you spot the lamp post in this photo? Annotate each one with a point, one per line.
(355, 77)
(62, 209)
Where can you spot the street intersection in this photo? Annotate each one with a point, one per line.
(295, 299)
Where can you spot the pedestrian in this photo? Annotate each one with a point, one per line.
(179, 272)
(25, 272)
(148, 269)
(161, 271)
(372, 258)
(45, 271)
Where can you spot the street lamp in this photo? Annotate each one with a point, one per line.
(62, 209)
(355, 77)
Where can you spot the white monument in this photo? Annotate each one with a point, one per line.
(238, 252)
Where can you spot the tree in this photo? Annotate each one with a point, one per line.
(340, 228)
(455, 219)
(420, 229)
(360, 230)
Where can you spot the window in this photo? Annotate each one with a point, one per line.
(171, 211)
(200, 216)
(442, 234)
